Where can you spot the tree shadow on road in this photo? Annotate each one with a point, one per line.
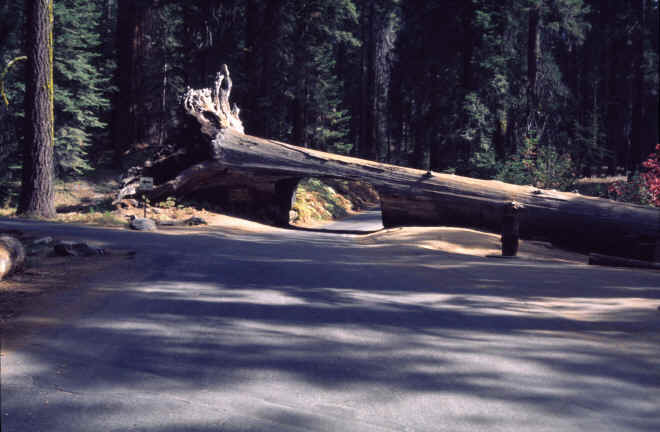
(321, 323)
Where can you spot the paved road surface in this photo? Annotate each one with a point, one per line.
(366, 221)
(303, 331)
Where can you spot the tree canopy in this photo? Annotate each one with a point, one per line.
(522, 90)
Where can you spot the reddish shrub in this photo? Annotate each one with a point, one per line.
(641, 188)
(652, 176)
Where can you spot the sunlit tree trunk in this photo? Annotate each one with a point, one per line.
(37, 186)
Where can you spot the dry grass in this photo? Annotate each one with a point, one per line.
(603, 180)
(597, 186)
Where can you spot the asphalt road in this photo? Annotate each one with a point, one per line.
(365, 221)
(306, 331)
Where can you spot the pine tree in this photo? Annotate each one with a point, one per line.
(81, 96)
(11, 115)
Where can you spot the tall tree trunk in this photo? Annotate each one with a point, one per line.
(366, 143)
(387, 35)
(135, 123)
(300, 102)
(253, 72)
(124, 131)
(616, 140)
(468, 44)
(533, 55)
(396, 104)
(271, 32)
(37, 187)
(636, 145)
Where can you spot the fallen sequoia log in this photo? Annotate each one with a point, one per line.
(215, 157)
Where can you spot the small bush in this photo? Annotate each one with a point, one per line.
(632, 190)
(652, 176)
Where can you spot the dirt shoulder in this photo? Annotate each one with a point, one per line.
(23, 291)
(46, 272)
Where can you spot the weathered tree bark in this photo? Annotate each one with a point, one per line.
(242, 168)
(37, 183)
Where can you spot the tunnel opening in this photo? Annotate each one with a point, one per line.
(334, 204)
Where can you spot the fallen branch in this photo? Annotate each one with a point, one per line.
(606, 260)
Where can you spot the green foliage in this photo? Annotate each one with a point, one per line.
(543, 167)
(476, 134)
(81, 83)
(71, 146)
(315, 200)
(11, 116)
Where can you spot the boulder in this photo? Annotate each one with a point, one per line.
(143, 224)
(12, 255)
(69, 248)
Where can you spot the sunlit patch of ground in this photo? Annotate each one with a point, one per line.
(466, 241)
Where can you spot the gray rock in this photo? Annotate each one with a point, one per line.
(143, 224)
(195, 221)
(42, 241)
(69, 248)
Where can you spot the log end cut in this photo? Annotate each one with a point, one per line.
(12, 255)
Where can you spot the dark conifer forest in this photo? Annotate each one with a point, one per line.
(526, 91)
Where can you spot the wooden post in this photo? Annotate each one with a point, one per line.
(511, 228)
